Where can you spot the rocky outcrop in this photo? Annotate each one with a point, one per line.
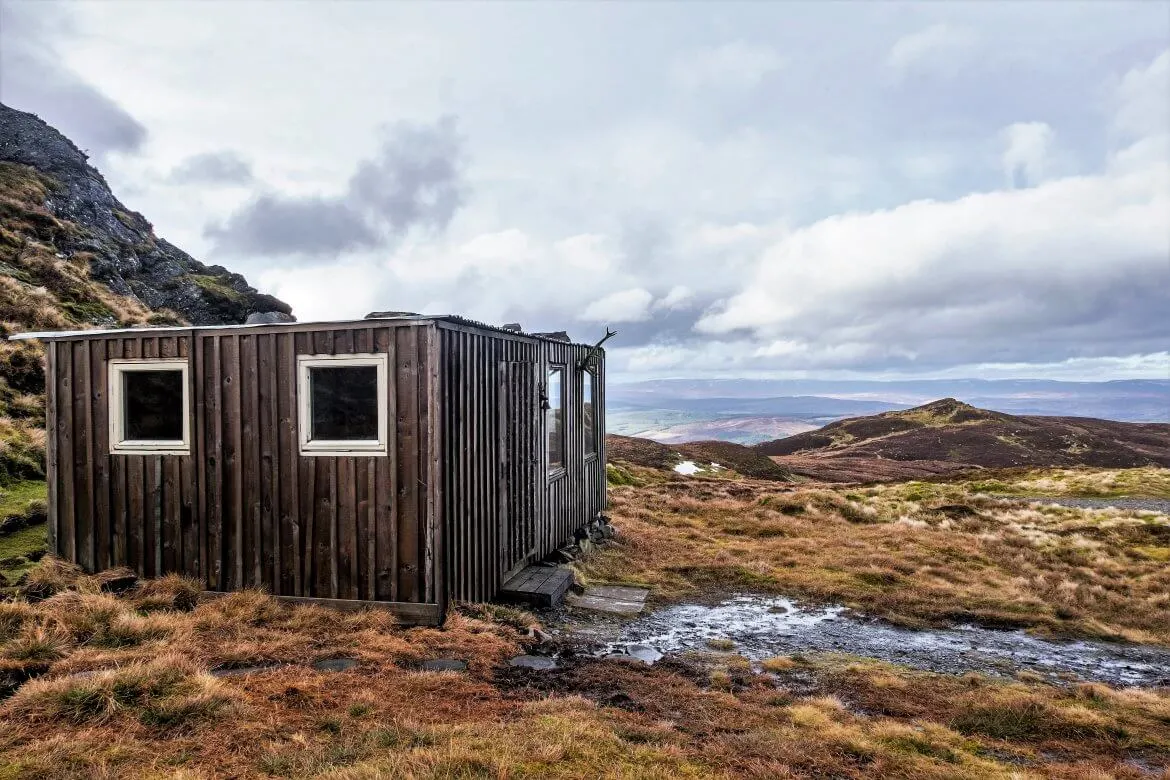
(119, 244)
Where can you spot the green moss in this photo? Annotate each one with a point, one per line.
(214, 285)
(15, 498)
(20, 551)
(617, 476)
(88, 311)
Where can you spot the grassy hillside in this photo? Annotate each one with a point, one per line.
(40, 289)
(949, 431)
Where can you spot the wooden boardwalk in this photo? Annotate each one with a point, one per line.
(539, 586)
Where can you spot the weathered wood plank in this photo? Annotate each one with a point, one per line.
(268, 511)
(408, 613)
(100, 454)
(213, 462)
(407, 423)
(233, 493)
(82, 456)
(256, 550)
(290, 518)
(67, 523)
(386, 486)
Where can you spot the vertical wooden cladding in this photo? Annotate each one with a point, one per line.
(460, 500)
(114, 510)
(500, 508)
(574, 497)
(244, 509)
(335, 527)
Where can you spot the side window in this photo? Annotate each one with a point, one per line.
(588, 415)
(342, 404)
(149, 407)
(555, 422)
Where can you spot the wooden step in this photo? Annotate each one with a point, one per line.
(538, 586)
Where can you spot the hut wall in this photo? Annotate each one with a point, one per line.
(244, 508)
(500, 507)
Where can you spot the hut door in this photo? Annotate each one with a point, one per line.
(519, 457)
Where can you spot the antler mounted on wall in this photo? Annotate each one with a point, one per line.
(584, 364)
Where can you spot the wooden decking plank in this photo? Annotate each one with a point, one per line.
(538, 585)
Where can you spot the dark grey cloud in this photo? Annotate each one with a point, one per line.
(274, 225)
(414, 182)
(223, 167)
(33, 78)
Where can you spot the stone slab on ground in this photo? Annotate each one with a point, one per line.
(613, 599)
(619, 592)
(540, 662)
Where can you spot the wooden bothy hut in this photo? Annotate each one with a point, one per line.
(406, 460)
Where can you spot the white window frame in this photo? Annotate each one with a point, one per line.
(119, 444)
(318, 447)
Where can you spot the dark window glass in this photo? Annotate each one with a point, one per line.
(344, 403)
(590, 422)
(556, 418)
(152, 403)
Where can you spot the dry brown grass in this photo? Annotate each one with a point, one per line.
(120, 688)
(911, 552)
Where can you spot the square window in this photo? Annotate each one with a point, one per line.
(342, 404)
(149, 407)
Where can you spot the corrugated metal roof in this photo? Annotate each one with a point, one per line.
(58, 335)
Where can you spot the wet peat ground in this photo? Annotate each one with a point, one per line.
(761, 627)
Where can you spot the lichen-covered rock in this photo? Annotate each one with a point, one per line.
(119, 244)
(269, 318)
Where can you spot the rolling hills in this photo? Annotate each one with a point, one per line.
(949, 435)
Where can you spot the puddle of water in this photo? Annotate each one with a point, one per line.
(763, 627)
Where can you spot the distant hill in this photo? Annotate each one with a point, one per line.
(651, 454)
(1133, 400)
(951, 432)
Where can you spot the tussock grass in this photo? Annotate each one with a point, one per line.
(1146, 482)
(104, 685)
(167, 691)
(149, 707)
(914, 552)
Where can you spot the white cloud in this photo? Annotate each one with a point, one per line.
(677, 296)
(737, 65)
(631, 305)
(940, 48)
(1026, 152)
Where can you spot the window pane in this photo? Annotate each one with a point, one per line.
(587, 414)
(344, 403)
(152, 405)
(556, 418)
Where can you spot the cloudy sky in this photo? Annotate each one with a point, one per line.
(830, 189)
